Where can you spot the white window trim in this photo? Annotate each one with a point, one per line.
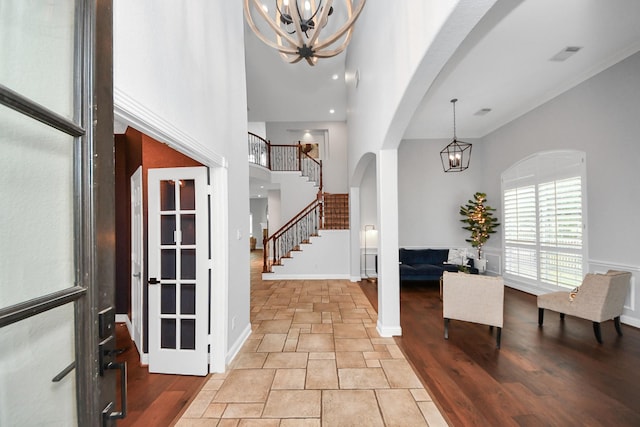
(539, 168)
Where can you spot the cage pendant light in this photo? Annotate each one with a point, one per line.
(455, 157)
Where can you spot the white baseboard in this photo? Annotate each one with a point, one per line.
(235, 348)
(388, 331)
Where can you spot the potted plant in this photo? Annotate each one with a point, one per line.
(479, 220)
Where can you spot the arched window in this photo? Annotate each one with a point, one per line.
(544, 208)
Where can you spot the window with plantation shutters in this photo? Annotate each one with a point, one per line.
(543, 208)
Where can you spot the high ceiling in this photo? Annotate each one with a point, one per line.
(504, 65)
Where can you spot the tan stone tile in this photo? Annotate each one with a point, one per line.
(432, 414)
(250, 346)
(245, 386)
(292, 404)
(384, 341)
(286, 360)
(395, 351)
(249, 360)
(353, 344)
(300, 422)
(347, 330)
(321, 374)
(243, 410)
(199, 404)
(373, 363)
(355, 313)
(289, 379)
(322, 328)
(219, 375)
(400, 374)
(196, 422)
(304, 328)
(379, 347)
(283, 315)
(399, 409)
(341, 298)
(350, 408)
(322, 307)
(228, 423)
(362, 378)
(420, 395)
(355, 321)
(315, 342)
(376, 355)
(214, 410)
(265, 315)
(350, 359)
(293, 333)
(322, 355)
(273, 327)
(258, 423)
(272, 343)
(336, 318)
(290, 345)
(346, 304)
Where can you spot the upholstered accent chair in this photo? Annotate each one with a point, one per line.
(473, 298)
(600, 297)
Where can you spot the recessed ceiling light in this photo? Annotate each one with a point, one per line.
(482, 111)
(565, 53)
(262, 186)
(331, 111)
(335, 77)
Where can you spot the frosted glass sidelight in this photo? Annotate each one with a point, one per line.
(41, 346)
(37, 51)
(36, 223)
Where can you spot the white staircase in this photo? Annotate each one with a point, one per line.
(326, 256)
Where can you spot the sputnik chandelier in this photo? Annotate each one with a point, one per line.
(297, 25)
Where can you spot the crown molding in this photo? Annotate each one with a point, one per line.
(128, 110)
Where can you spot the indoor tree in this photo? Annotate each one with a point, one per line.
(479, 220)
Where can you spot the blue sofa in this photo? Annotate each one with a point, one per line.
(426, 264)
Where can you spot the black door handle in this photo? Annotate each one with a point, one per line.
(153, 281)
(107, 413)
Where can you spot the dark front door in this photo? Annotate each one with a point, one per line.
(57, 223)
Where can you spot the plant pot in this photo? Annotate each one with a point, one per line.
(481, 265)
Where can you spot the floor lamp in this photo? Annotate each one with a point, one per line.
(367, 228)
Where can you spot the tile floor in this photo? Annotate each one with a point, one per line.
(314, 359)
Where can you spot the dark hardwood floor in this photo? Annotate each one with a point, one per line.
(554, 376)
(153, 399)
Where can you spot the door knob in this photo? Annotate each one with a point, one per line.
(153, 281)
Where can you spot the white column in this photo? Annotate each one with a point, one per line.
(354, 225)
(388, 270)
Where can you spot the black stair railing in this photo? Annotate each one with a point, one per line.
(278, 157)
(290, 236)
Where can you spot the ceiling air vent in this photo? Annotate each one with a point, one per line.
(565, 53)
(482, 112)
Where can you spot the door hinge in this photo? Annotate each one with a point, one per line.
(210, 264)
(210, 339)
(208, 189)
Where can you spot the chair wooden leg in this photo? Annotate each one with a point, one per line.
(498, 337)
(540, 316)
(446, 329)
(596, 331)
(616, 321)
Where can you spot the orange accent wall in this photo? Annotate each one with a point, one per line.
(134, 149)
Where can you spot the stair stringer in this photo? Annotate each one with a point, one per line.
(325, 257)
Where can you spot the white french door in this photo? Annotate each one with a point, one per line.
(178, 274)
(137, 256)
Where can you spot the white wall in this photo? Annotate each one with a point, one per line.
(334, 153)
(600, 117)
(168, 74)
(258, 209)
(429, 199)
(258, 128)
